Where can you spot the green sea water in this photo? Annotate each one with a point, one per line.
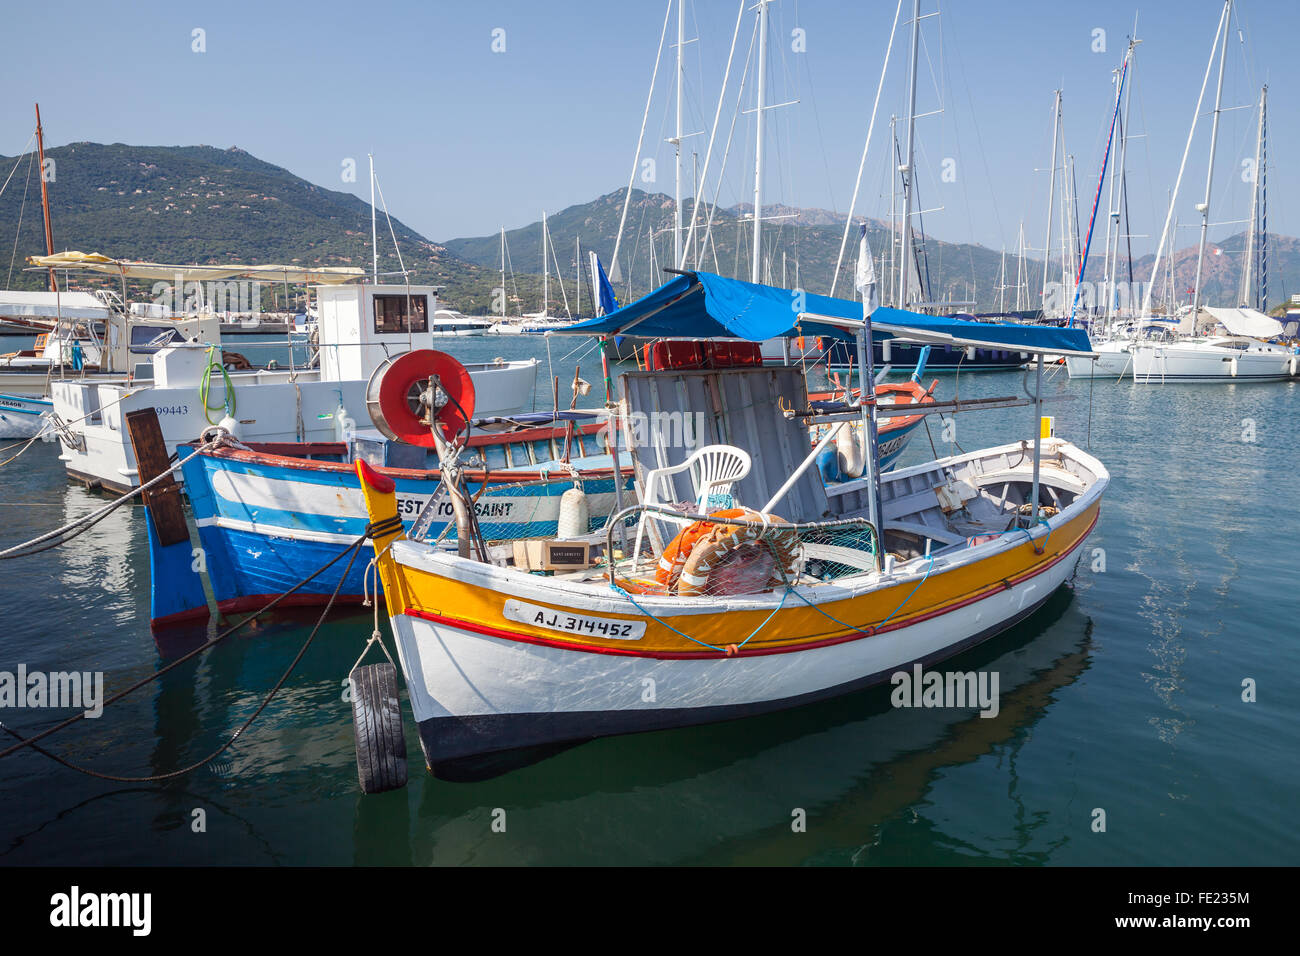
(1124, 694)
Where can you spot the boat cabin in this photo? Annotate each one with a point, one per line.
(362, 325)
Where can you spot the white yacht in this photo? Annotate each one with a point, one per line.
(1219, 358)
(451, 322)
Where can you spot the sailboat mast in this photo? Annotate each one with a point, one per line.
(1209, 173)
(1261, 172)
(577, 270)
(906, 251)
(1112, 225)
(677, 139)
(374, 232)
(758, 141)
(1020, 268)
(893, 216)
(1002, 283)
(1122, 177)
(546, 272)
(503, 272)
(45, 196)
(1251, 240)
(1051, 191)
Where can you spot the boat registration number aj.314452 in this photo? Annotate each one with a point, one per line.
(554, 620)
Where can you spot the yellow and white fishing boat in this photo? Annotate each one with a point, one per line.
(789, 592)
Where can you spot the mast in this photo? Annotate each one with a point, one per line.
(503, 272)
(374, 234)
(1209, 173)
(906, 251)
(1122, 195)
(1251, 239)
(45, 196)
(893, 214)
(1002, 283)
(1261, 171)
(1182, 167)
(1112, 222)
(1020, 267)
(577, 270)
(758, 142)
(677, 140)
(546, 272)
(1051, 191)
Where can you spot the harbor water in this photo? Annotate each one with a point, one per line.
(1159, 693)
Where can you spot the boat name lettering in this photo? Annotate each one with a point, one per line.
(554, 620)
(483, 509)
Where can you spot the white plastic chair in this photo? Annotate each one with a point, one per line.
(714, 470)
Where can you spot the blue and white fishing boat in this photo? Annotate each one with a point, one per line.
(269, 514)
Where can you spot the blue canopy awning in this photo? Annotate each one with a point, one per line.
(702, 305)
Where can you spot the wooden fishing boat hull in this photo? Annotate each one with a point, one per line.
(469, 700)
(496, 659)
(267, 520)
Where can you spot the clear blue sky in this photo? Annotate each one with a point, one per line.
(466, 139)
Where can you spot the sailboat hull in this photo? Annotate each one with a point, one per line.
(1208, 362)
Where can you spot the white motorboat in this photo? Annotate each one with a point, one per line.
(361, 326)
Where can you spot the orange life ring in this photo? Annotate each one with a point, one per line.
(712, 556)
(679, 549)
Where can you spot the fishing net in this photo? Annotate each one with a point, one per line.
(739, 551)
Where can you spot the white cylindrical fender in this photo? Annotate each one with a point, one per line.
(848, 451)
(1293, 364)
(231, 425)
(1232, 367)
(575, 514)
(887, 350)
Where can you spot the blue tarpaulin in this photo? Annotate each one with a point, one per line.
(702, 305)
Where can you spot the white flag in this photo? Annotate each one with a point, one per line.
(866, 276)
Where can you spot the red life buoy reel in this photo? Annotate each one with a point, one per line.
(400, 391)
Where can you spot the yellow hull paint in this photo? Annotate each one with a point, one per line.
(794, 624)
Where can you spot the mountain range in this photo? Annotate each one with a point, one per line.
(200, 204)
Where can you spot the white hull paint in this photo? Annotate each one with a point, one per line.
(453, 674)
(1114, 360)
(22, 416)
(1209, 361)
(269, 406)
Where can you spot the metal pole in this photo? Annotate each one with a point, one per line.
(1038, 433)
(677, 140)
(911, 146)
(1209, 173)
(1051, 195)
(758, 141)
(374, 234)
(866, 401)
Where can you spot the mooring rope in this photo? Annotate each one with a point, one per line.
(83, 524)
(30, 742)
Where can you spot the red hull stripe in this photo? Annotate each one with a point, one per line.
(489, 631)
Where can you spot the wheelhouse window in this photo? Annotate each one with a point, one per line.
(401, 313)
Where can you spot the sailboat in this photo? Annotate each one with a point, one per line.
(1241, 352)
